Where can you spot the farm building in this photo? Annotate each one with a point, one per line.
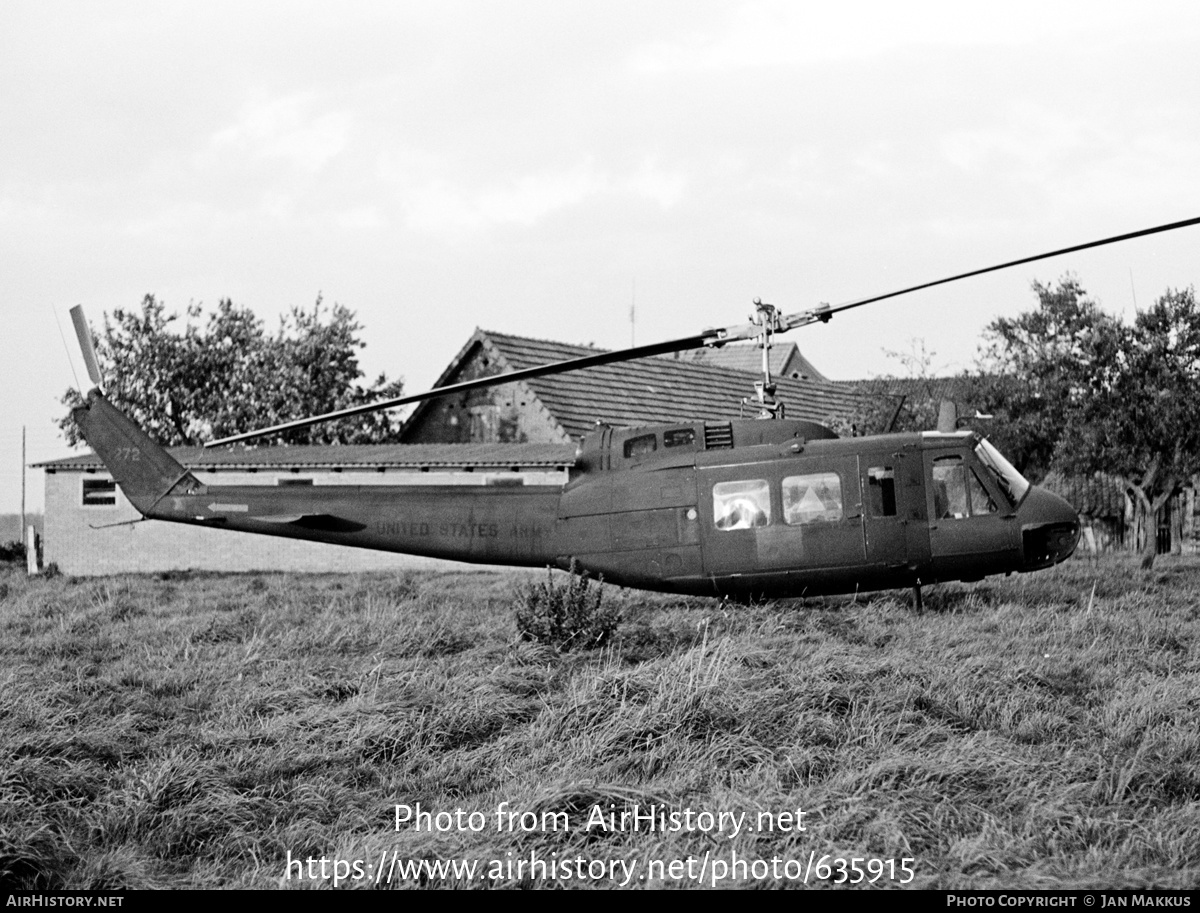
(565, 407)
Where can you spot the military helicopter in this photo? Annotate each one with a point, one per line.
(764, 507)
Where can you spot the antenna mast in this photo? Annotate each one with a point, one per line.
(632, 314)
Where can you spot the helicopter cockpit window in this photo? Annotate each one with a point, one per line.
(812, 498)
(640, 446)
(742, 504)
(680, 437)
(949, 488)
(958, 491)
(881, 491)
(981, 501)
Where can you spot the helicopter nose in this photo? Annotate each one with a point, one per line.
(1049, 529)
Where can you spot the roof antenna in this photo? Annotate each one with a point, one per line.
(1133, 289)
(632, 314)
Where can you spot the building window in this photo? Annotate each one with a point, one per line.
(292, 483)
(742, 504)
(99, 493)
(813, 498)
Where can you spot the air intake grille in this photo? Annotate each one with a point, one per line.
(718, 437)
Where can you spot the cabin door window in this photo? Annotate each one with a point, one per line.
(881, 491)
(742, 504)
(885, 533)
(812, 498)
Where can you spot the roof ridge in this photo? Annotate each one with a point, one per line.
(669, 358)
(591, 347)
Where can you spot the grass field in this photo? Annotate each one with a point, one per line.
(1040, 731)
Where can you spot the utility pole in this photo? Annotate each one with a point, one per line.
(27, 535)
(22, 534)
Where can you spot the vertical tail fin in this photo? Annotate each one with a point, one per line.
(143, 469)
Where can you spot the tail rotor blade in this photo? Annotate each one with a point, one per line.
(84, 333)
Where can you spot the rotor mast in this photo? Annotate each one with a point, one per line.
(766, 318)
(764, 322)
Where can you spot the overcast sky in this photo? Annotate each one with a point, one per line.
(533, 167)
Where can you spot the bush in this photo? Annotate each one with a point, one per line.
(12, 551)
(568, 616)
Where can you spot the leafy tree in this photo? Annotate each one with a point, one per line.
(203, 381)
(905, 401)
(1029, 366)
(1091, 393)
(1136, 412)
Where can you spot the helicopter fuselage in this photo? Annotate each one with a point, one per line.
(743, 509)
(783, 509)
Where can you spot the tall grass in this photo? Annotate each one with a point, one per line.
(200, 730)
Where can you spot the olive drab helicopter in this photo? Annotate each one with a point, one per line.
(765, 507)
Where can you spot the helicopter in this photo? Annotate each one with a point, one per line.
(750, 508)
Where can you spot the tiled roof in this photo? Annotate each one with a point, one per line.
(350, 456)
(654, 390)
(786, 359)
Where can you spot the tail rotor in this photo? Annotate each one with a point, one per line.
(86, 345)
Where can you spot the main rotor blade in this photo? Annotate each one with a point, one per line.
(991, 269)
(559, 367)
(712, 337)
